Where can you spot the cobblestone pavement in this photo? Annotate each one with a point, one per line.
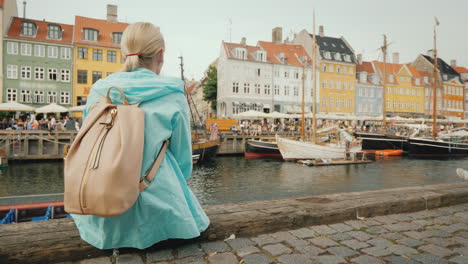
(433, 236)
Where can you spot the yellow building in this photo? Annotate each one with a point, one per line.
(405, 89)
(96, 52)
(337, 79)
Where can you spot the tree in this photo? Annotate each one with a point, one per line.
(210, 87)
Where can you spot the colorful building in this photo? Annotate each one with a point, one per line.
(266, 77)
(96, 51)
(337, 66)
(450, 84)
(37, 62)
(368, 90)
(464, 76)
(8, 9)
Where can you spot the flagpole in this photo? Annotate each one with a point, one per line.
(434, 113)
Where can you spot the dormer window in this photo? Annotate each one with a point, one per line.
(116, 38)
(325, 44)
(240, 53)
(327, 55)
(375, 79)
(363, 77)
(390, 78)
(445, 77)
(416, 81)
(347, 58)
(261, 56)
(281, 57)
(90, 34)
(28, 29)
(426, 79)
(54, 32)
(337, 56)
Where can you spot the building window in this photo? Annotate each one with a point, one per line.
(97, 54)
(111, 56)
(25, 96)
(65, 53)
(324, 83)
(28, 29)
(65, 98)
(344, 85)
(65, 75)
(331, 84)
(39, 50)
(350, 103)
(277, 89)
(39, 97)
(286, 90)
(324, 102)
(12, 48)
(257, 89)
(82, 77)
(11, 95)
(26, 49)
(267, 89)
(90, 34)
(246, 88)
(12, 71)
(51, 97)
(39, 73)
(26, 72)
(296, 91)
(54, 32)
(296, 75)
(52, 52)
(338, 85)
(81, 100)
(52, 73)
(338, 69)
(235, 87)
(324, 68)
(96, 76)
(116, 38)
(83, 53)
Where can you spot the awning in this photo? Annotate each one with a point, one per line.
(235, 103)
(267, 106)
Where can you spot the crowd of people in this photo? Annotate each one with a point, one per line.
(31, 123)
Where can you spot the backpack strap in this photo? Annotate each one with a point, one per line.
(151, 173)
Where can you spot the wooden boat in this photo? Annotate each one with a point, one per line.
(205, 149)
(301, 150)
(255, 149)
(420, 147)
(31, 211)
(389, 152)
(372, 141)
(339, 162)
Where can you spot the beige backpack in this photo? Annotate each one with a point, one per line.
(103, 165)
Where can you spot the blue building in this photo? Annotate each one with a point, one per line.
(368, 90)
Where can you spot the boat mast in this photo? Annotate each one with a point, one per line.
(384, 86)
(303, 101)
(434, 113)
(185, 90)
(314, 109)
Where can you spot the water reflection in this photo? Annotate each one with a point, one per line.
(235, 179)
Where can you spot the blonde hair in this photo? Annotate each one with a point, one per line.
(142, 38)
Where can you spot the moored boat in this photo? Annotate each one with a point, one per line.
(380, 142)
(420, 147)
(261, 149)
(205, 149)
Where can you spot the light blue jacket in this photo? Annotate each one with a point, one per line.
(167, 208)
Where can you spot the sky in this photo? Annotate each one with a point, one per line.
(195, 29)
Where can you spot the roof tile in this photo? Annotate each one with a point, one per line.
(42, 29)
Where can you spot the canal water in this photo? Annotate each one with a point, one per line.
(235, 179)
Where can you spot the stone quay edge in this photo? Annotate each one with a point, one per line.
(58, 240)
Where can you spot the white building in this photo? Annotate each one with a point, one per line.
(266, 77)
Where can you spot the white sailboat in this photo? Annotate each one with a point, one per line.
(303, 150)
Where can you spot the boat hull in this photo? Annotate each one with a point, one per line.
(205, 150)
(255, 149)
(431, 148)
(297, 150)
(381, 142)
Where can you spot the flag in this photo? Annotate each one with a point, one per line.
(437, 21)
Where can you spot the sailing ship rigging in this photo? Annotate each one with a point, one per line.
(203, 149)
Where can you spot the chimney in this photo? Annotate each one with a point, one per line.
(243, 41)
(359, 59)
(430, 53)
(321, 33)
(277, 35)
(24, 9)
(112, 13)
(396, 57)
(453, 63)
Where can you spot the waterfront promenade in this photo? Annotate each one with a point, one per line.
(326, 228)
(429, 236)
